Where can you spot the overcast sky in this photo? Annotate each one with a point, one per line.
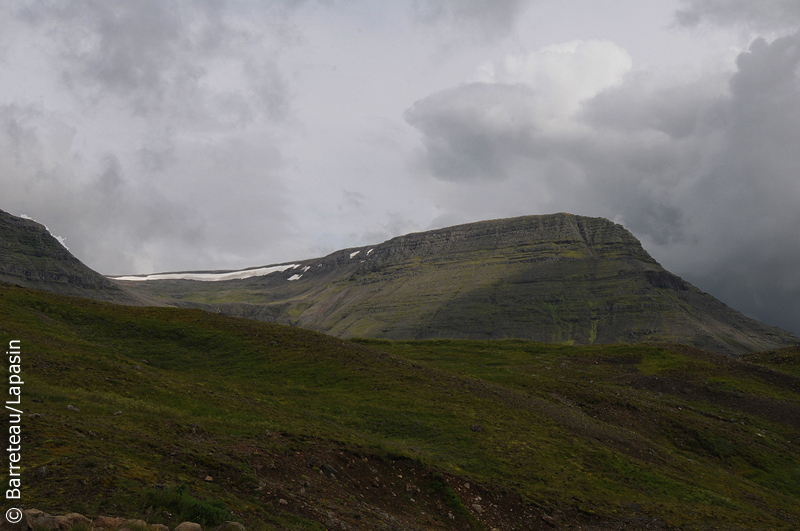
(158, 135)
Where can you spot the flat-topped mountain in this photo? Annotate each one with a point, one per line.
(554, 278)
(31, 257)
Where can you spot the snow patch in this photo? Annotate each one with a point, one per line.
(294, 277)
(353, 254)
(306, 268)
(212, 277)
(370, 251)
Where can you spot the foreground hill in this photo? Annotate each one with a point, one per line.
(30, 256)
(170, 414)
(557, 278)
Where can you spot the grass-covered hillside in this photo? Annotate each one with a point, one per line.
(183, 414)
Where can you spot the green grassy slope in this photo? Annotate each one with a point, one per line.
(601, 435)
(558, 279)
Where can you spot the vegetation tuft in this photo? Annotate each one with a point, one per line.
(184, 507)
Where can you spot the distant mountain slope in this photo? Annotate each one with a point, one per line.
(31, 257)
(557, 278)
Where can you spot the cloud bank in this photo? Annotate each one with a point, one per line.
(701, 170)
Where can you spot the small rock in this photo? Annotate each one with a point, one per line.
(107, 522)
(272, 466)
(450, 516)
(328, 470)
(209, 479)
(117, 413)
(35, 416)
(93, 434)
(550, 520)
(376, 483)
(159, 527)
(139, 524)
(73, 408)
(230, 526)
(476, 427)
(188, 526)
(267, 433)
(42, 521)
(281, 501)
(477, 508)
(302, 491)
(466, 485)
(42, 472)
(77, 519)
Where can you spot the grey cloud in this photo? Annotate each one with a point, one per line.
(491, 17)
(352, 200)
(169, 57)
(677, 111)
(107, 222)
(706, 173)
(396, 225)
(179, 217)
(761, 15)
(471, 132)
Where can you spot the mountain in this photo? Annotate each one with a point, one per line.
(30, 256)
(555, 278)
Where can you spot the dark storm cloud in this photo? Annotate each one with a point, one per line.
(760, 15)
(705, 172)
(491, 17)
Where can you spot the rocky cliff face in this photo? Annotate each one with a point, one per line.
(31, 257)
(556, 278)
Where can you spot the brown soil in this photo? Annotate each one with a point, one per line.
(346, 488)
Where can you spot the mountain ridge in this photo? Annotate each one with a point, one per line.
(32, 257)
(556, 278)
